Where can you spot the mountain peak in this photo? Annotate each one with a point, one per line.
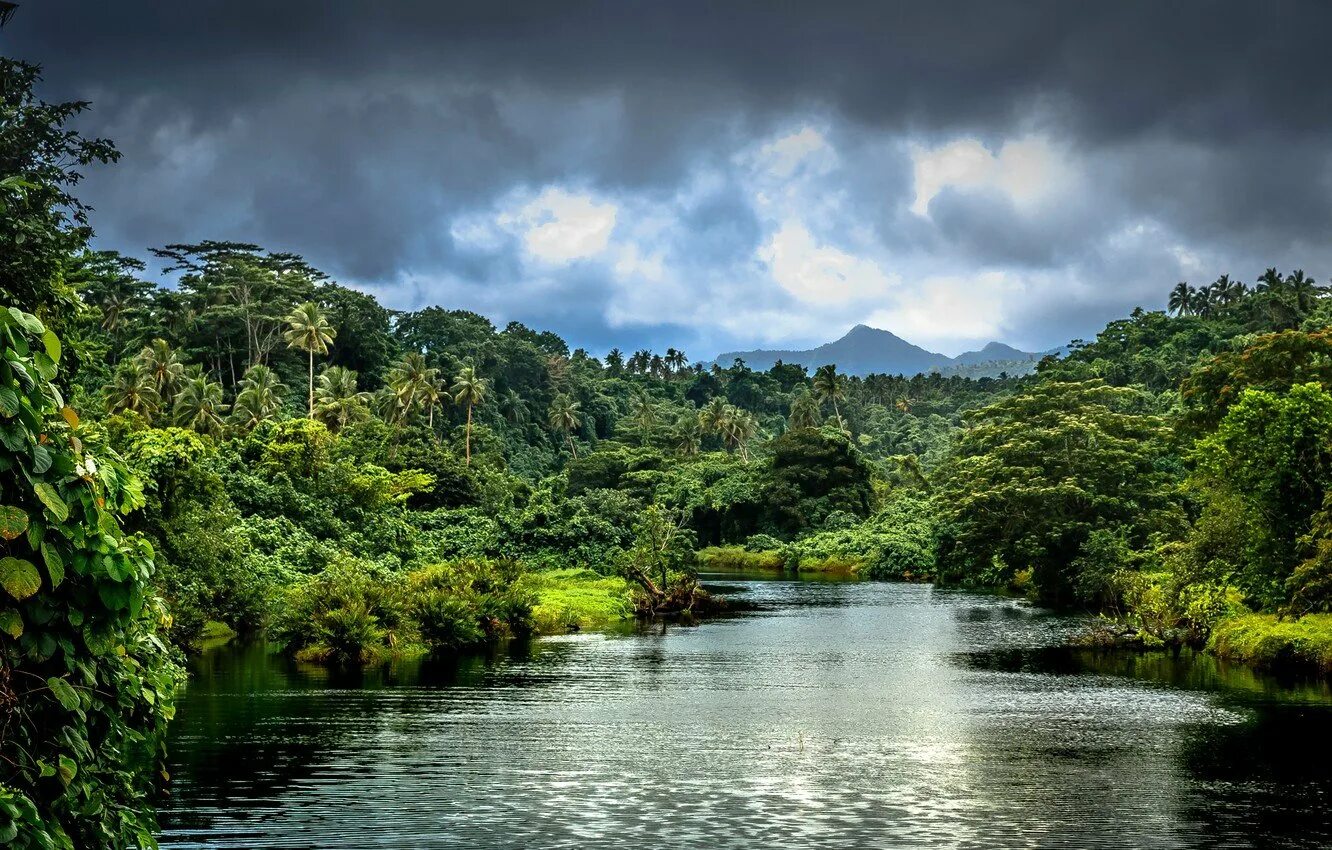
(864, 350)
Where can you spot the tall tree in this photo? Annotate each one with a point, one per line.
(199, 406)
(565, 416)
(469, 390)
(308, 329)
(338, 402)
(260, 397)
(830, 387)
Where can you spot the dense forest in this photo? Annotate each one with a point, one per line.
(249, 446)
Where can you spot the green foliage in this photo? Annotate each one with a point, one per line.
(1263, 640)
(1036, 474)
(739, 559)
(79, 617)
(577, 599)
(814, 474)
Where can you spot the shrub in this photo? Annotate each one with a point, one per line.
(578, 599)
(1264, 640)
(351, 612)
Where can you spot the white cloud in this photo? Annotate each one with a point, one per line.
(820, 274)
(559, 226)
(951, 307)
(1028, 170)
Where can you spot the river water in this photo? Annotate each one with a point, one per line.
(838, 715)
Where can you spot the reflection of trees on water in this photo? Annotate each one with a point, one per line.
(291, 718)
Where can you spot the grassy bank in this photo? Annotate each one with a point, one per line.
(1261, 640)
(578, 599)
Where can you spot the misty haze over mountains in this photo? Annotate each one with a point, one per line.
(865, 350)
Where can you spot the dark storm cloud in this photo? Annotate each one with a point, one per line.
(359, 133)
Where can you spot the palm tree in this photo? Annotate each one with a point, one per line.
(308, 329)
(413, 383)
(260, 397)
(713, 417)
(830, 386)
(199, 406)
(1181, 299)
(804, 411)
(1303, 291)
(741, 426)
(615, 361)
(675, 360)
(162, 366)
(645, 414)
(470, 390)
(565, 416)
(688, 434)
(338, 403)
(514, 406)
(132, 391)
(1271, 281)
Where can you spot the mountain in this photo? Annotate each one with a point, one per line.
(865, 350)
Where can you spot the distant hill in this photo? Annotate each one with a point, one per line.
(865, 350)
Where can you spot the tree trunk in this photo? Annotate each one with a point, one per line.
(312, 383)
(467, 442)
(572, 450)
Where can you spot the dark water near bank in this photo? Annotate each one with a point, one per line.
(843, 715)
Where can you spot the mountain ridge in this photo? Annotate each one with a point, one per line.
(865, 350)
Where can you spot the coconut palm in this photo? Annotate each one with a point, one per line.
(1271, 280)
(414, 384)
(132, 390)
(469, 390)
(1303, 291)
(804, 411)
(308, 329)
(514, 406)
(645, 414)
(741, 426)
(615, 361)
(1181, 299)
(829, 386)
(260, 397)
(338, 402)
(565, 416)
(713, 416)
(163, 367)
(199, 406)
(687, 436)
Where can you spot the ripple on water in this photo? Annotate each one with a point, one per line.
(839, 715)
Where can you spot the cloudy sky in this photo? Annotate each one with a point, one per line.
(719, 175)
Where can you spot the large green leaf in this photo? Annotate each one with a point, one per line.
(55, 565)
(64, 692)
(13, 522)
(52, 500)
(27, 321)
(11, 623)
(68, 769)
(52, 343)
(19, 578)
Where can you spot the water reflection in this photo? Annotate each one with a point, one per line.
(836, 714)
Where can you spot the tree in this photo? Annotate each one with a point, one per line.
(259, 399)
(804, 411)
(308, 329)
(163, 367)
(413, 384)
(1272, 454)
(470, 391)
(687, 436)
(132, 390)
(43, 225)
(829, 386)
(565, 416)
(614, 362)
(1033, 475)
(338, 403)
(199, 406)
(1181, 299)
(644, 414)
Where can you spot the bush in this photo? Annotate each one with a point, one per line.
(352, 612)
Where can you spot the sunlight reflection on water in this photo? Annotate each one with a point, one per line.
(840, 715)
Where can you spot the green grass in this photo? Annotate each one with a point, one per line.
(832, 565)
(1264, 641)
(739, 559)
(579, 597)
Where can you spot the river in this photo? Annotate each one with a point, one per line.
(840, 714)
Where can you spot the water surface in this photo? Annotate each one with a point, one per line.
(839, 715)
